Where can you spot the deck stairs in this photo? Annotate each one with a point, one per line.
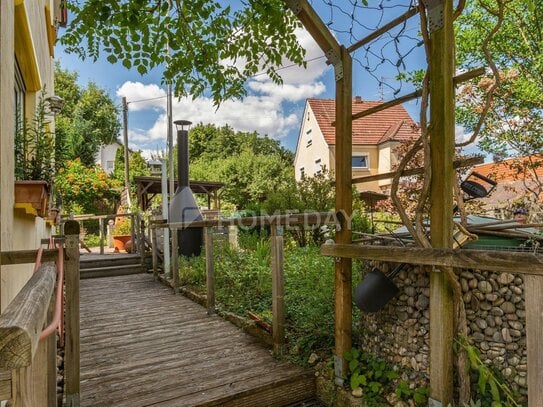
(110, 265)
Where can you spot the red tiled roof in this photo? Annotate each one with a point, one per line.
(513, 168)
(390, 124)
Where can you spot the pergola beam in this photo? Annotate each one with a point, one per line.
(380, 31)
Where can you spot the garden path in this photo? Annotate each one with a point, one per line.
(143, 346)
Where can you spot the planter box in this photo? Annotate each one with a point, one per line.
(120, 241)
(32, 196)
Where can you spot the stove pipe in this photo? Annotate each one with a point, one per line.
(183, 206)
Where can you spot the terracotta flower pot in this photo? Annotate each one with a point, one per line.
(120, 241)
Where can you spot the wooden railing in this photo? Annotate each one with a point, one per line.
(276, 223)
(528, 264)
(137, 229)
(27, 353)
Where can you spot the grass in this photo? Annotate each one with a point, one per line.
(243, 283)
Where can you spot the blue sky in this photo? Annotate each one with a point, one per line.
(268, 108)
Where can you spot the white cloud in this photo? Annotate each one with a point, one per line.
(263, 110)
(142, 97)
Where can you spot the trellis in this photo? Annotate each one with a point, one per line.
(441, 256)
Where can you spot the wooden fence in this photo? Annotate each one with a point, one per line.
(28, 363)
(276, 223)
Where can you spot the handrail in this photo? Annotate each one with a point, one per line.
(24, 317)
(37, 263)
(59, 300)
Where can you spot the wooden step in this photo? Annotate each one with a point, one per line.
(282, 392)
(112, 271)
(91, 261)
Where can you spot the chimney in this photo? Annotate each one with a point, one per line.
(357, 99)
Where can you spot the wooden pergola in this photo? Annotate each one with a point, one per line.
(441, 131)
(148, 187)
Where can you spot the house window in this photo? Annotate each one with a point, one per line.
(110, 165)
(302, 172)
(360, 161)
(318, 166)
(19, 99)
(309, 143)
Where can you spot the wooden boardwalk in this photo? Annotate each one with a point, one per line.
(143, 346)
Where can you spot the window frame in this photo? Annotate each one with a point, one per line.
(360, 155)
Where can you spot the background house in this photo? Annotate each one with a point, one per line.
(27, 34)
(374, 139)
(519, 183)
(105, 157)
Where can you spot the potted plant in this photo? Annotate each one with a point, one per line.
(34, 152)
(122, 234)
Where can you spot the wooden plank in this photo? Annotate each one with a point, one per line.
(343, 173)
(278, 291)
(72, 345)
(154, 252)
(315, 26)
(5, 384)
(32, 384)
(466, 76)
(23, 319)
(101, 234)
(291, 219)
(50, 344)
(278, 393)
(27, 256)
(442, 150)
(460, 163)
(175, 261)
(533, 286)
(210, 271)
(125, 365)
(491, 260)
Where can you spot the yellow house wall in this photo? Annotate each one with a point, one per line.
(373, 166)
(18, 232)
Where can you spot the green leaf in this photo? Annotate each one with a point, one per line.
(111, 59)
(353, 364)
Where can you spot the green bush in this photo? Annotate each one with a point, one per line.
(92, 240)
(243, 283)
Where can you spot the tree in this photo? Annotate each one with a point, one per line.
(248, 178)
(86, 190)
(515, 118)
(137, 166)
(514, 121)
(213, 47)
(311, 194)
(89, 118)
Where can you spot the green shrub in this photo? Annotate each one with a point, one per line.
(92, 240)
(243, 283)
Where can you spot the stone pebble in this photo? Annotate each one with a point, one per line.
(495, 310)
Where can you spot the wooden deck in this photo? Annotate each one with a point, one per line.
(143, 346)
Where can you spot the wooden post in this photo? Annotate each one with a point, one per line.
(343, 171)
(533, 286)
(154, 252)
(101, 233)
(278, 290)
(210, 270)
(175, 261)
(141, 238)
(71, 357)
(51, 345)
(442, 127)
